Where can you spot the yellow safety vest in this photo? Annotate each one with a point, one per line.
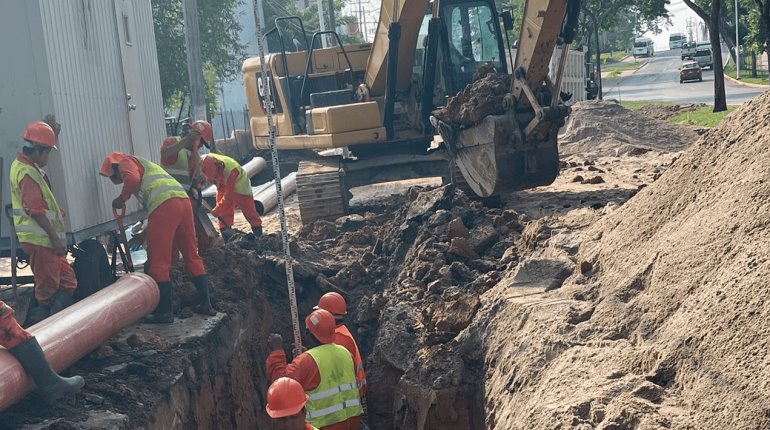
(242, 185)
(27, 229)
(336, 397)
(157, 186)
(178, 170)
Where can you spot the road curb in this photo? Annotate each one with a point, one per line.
(745, 84)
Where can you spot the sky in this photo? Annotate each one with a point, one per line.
(680, 14)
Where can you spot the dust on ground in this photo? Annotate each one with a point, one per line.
(628, 294)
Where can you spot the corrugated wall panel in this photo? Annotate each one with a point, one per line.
(89, 97)
(148, 58)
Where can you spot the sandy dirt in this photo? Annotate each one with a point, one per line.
(628, 294)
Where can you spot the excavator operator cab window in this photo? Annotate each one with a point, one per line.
(473, 40)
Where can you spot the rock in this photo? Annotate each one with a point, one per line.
(594, 180)
(95, 399)
(578, 178)
(509, 255)
(441, 217)
(106, 420)
(595, 169)
(456, 228)
(543, 273)
(437, 286)
(350, 223)
(102, 352)
(147, 338)
(454, 314)
(585, 267)
(483, 237)
(116, 369)
(462, 248)
(649, 391)
(429, 202)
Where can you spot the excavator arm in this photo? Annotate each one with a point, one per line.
(518, 149)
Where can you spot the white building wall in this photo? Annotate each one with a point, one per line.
(69, 64)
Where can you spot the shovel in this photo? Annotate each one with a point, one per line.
(124, 251)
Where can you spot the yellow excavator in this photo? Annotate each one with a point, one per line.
(374, 101)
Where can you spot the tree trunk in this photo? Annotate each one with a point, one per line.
(598, 62)
(720, 100)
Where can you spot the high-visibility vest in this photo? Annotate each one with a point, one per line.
(242, 185)
(335, 399)
(342, 330)
(179, 170)
(27, 229)
(157, 186)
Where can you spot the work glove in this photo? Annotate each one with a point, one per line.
(118, 203)
(50, 119)
(275, 342)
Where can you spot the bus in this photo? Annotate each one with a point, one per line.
(675, 40)
(643, 47)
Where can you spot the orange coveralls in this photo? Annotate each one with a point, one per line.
(51, 271)
(11, 333)
(204, 242)
(342, 337)
(228, 199)
(169, 226)
(304, 370)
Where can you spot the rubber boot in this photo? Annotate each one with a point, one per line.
(60, 301)
(163, 313)
(37, 313)
(256, 231)
(204, 301)
(49, 383)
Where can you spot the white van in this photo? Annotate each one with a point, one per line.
(643, 47)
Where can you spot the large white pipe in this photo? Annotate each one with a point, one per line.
(267, 198)
(69, 335)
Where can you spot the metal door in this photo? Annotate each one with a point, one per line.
(132, 77)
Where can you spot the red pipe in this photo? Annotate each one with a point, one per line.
(69, 335)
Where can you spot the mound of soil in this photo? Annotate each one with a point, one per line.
(668, 327)
(665, 112)
(607, 129)
(481, 98)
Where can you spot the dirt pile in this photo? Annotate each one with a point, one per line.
(667, 328)
(605, 128)
(481, 98)
(662, 112)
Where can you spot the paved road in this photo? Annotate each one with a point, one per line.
(658, 80)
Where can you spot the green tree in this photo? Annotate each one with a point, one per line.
(221, 50)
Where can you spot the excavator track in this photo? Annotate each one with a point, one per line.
(321, 189)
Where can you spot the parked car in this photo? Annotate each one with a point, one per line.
(703, 57)
(690, 71)
(688, 49)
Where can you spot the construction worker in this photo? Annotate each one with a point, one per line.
(169, 223)
(286, 401)
(325, 372)
(335, 304)
(22, 345)
(39, 222)
(233, 189)
(179, 157)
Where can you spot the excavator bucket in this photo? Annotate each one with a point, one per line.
(494, 160)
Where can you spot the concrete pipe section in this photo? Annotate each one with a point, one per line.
(266, 198)
(71, 334)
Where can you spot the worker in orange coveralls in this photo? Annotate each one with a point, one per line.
(39, 222)
(170, 223)
(286, 401)
(233, 189)
(325, 372)
(179, 157)
(335, 304)
(22, 345)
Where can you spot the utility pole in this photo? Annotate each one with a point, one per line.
(261, 12)
(326, 20)
(194, 61)
(737, 45)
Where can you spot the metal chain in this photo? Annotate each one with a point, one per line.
(268, 105)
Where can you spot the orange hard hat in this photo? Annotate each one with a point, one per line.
(285, 398)
(210, 167)
(204, 129)
(334, 303)
(168, 142)
(109, 160)
(321, 324)
(39, 133)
